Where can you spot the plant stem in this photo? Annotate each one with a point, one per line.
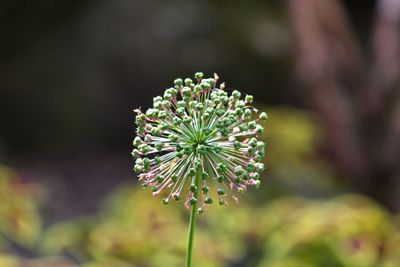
(192, 225)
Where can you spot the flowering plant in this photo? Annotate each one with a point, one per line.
(197, 138)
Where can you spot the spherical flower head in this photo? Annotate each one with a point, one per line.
(198, 138)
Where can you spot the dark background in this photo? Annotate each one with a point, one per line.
(71, 73)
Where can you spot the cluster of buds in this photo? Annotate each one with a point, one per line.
(196, 138)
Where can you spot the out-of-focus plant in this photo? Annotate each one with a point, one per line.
(20, 221)
(346, 231)
(133, 230)
(295, 165)
(197, 138)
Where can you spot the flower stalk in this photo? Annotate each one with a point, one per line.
(192, 226)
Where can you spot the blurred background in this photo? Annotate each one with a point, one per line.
(327, 73)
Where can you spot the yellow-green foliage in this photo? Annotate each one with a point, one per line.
(133, 229)
(346, 231)
(19, 217)
(291, 136)
(294, 165)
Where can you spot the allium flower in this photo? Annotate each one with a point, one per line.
(197, 138)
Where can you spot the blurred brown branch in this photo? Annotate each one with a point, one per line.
(358, 104)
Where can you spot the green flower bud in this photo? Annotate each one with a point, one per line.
(155, 131)
(205, 85)
(178, 82)
(186, 91)
(211, 81)
(192, 172)
(167, 97)
(263, 116)
(197, 88)
(247, 113)
(192, 201)
(146, 162)
(208, 200)
(174, 178)
(251, 151)
(193, 188)
(243, 127)
(201, 149)
(260, 167)
(188, 81)
(160, 178)
(187, 119)
(217, 149)
(253, 142)
(259, 129)
(221, 168)
(180, 111)
(188, 150)
(199, 76)
(140, 118)
(198, 165)
(173, 137)
(217, 100)
(239, 111)
(205, 189)
(157, 161)
(165, 201)
(252, 125)
(239, 104)
(199, 106)
(157, 98)
(135, 153)
(250, 166)
(162, 115)
(249, 98)
(166, 103)
(176, 121)
(236, 94)
(144, 148)
(219, 112)
(137, 141)
(138, 168)
(237, 145)
(151, 112)
(256, 176)
(154, 188)
(157, 105)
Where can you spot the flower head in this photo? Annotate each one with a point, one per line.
(196, 138)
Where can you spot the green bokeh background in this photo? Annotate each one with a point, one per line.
(299, 217)
(71, 73)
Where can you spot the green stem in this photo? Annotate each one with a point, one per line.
(192, 225)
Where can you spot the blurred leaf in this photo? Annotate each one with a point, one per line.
(19, 217)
